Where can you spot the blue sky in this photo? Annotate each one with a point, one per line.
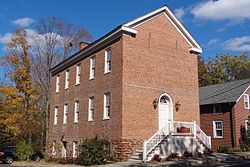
(218, 26)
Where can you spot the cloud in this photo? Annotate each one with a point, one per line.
(213, 42)
(179, 13)
(23, 22)
(238, 44)
(4, 39)
(236, 11)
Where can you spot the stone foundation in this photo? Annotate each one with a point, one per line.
(123, 148)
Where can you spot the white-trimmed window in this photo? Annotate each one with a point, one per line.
(56, 115)
(216, 109)
(107, 67)
(91, 109)
(106, 112)
(78, 74)
(53, 148)
(218, 129)
(57, 83)
(246, 101)
(92, 68)
(76, 113)
(74, 149)
(64, 149)
(67, 79)
(65, 113)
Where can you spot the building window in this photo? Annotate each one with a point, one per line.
(57, 83)
(92, 68)
(218, 129)
(74, 150)
(53, 148)
(91, 109)
(65, 113)
(56, 116)
(67, 79)
(78, 74)
(246, 101)
(107, 60)
(216, 109)
(64, 149)
(76, 113)
(106, 113)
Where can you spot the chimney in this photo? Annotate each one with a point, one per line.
(83, 45)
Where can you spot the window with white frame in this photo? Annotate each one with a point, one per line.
(91, 109)
(64, 149)
(78, 74)
(107, 60)
(76, 113)
(67, 79)
(216, 109)
(218, 129)
(106, 112)
(53, 148)
(74, 149)
(56, 115)
(246, 101)
(65, 113)
(57, 83)
(92, 68)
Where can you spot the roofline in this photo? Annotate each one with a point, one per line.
(243, 93)
(115, 33)
(194, 46)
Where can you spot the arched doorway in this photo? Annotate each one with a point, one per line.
(165, 110)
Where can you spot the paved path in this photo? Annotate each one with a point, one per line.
(215, 160)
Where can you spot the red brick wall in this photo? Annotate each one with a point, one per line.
(207, 117)
(240, 114)
(111, 82)
(157, 60)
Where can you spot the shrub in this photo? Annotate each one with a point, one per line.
(187, 154)
(23, 151)
(244, 148)
(156, 158)
(173, 156)
(223, 149)
(94, 151)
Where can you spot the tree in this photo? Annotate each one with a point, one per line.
(203, 73)
(53, 41)
(223, 68)
(19, 115)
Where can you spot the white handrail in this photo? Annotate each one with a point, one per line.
(203, 137)
(154, 141)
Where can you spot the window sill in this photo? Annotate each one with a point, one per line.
(107, 72)
(218, 137)
(90, 120)
(66, 88)
(55, 124)
(91, 78)
(77, 84)
(75, 122)
(104, 119)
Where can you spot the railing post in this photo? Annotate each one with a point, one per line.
(195, 131)
(144, 153)
(210, 142)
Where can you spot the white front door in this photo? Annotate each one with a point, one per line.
(165, 111)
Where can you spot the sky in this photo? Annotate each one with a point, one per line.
(219, 26)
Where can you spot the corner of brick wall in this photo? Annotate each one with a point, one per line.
(122, 149)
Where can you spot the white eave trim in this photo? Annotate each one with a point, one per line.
(128, 29)
(196, 50)
(242, 93)
(194, 46)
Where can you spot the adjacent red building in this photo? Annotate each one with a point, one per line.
(224, 111)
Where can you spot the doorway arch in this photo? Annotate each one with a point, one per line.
(165, 110)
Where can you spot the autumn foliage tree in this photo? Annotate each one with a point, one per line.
(19, 114)
(223, 68)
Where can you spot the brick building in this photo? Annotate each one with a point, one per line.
(224, 110)
(133, 83)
